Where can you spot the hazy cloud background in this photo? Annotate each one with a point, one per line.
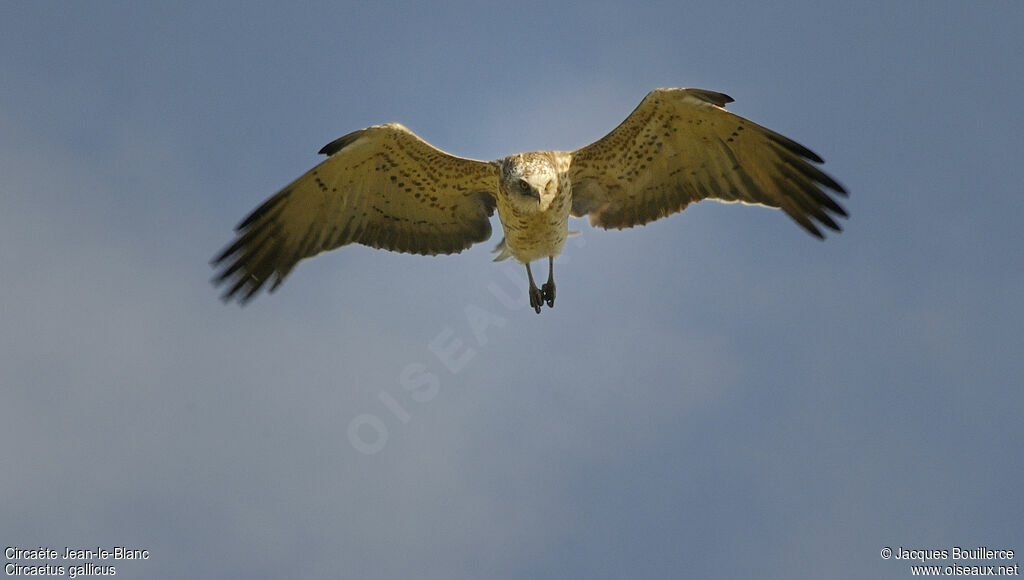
(715, 395)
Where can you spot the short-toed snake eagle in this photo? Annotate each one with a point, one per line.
(385, 187)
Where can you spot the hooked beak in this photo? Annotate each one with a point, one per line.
(526, 191)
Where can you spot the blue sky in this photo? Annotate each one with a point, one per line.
(716, 394)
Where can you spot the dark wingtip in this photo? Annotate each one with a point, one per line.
(839, 209)
(838, 188)
(340, 143)
(713, 97)
(814, 231)
(794, 147)
(828, 222)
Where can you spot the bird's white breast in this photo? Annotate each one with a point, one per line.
(536, 235)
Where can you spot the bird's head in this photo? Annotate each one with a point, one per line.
(529, 181)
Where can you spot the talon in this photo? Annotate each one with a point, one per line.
(548, 292)
(536, 298)
(549, 286)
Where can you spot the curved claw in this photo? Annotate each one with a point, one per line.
(548, 293)
(536, 298)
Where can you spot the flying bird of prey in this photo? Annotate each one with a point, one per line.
(385, 187)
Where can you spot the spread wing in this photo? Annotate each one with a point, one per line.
(383, 187)
(681, 146)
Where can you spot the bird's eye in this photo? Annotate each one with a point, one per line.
(523, 185)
